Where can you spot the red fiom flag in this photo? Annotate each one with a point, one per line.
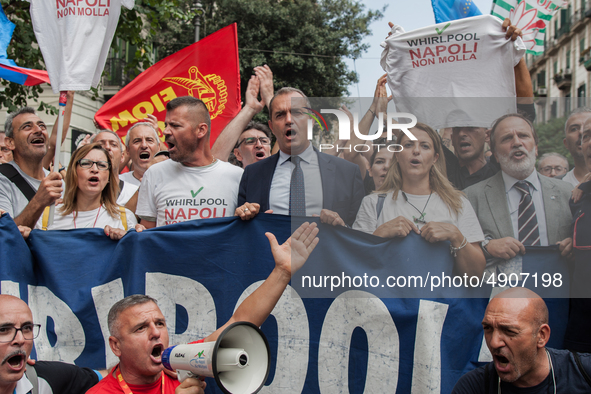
(207, 70)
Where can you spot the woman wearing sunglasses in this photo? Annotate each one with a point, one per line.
(91, 195)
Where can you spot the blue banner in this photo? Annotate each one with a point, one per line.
(199, 271)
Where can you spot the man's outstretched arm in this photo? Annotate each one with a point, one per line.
(289, 258)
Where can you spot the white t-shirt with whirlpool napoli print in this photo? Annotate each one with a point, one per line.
(75, 38)
(467, 58)
(172, 193)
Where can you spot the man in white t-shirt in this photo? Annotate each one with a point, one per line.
(142, 143)
(26, 136)
(112, 143)
(572, 141)
(5, 153)
(193, 185)
(553, 165)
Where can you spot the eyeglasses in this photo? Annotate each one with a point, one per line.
(87, 164)
(29, 331)
(549, 169)
(253, 141)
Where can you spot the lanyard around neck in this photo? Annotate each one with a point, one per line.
(125, 387)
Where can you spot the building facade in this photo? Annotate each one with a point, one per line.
(561, 75)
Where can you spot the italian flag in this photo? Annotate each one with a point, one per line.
(531, 16)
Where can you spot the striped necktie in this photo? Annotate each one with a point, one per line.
(297, 190)
(529, 233)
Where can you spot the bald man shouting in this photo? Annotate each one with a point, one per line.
(516, 331)
(17, 332)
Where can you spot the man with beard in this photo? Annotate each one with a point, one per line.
(516, 206)
(17, 332)
(572, 141)
(516, 331)
(194, 184)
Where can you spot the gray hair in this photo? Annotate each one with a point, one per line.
(147, 124)
(8, 130)
(121, 306)
(287, 90)
(107, 131)
(580, 110)
(551, 154)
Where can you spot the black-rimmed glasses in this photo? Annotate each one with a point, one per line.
(87, 164)
(253, 141)
(29, 331)
(549, 169)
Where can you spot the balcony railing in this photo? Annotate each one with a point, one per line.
(563, 80)
(115, 73)
(564, 29)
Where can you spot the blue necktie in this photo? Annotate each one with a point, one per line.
(529, 233)
(297, 190)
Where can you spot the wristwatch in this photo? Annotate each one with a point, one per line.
(483, 245)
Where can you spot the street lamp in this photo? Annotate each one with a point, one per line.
(199, 11)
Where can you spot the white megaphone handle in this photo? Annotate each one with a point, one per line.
(182, 375)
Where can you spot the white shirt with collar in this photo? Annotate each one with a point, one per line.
(279, 194)
(23, 386)
(514, 196)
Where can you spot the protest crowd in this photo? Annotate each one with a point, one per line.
(488, 207)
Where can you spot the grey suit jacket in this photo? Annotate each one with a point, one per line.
(490, 204)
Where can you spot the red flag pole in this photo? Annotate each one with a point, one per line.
(58, 144)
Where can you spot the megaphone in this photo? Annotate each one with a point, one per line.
(239, 360)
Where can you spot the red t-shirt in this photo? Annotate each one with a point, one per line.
(110, 385)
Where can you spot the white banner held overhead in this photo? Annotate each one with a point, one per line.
(75, 37)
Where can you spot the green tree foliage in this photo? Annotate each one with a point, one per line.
(23, 49)
(550, 136)
(137, 27)
(303, 41)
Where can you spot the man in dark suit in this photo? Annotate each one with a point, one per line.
(516, 207)
(320, 184)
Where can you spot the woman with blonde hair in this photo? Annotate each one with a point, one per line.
(90, 199)
(419, 198)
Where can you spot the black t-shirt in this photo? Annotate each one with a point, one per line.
(460, 177)
(579, 318)
(64, 378)
(569, 379)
